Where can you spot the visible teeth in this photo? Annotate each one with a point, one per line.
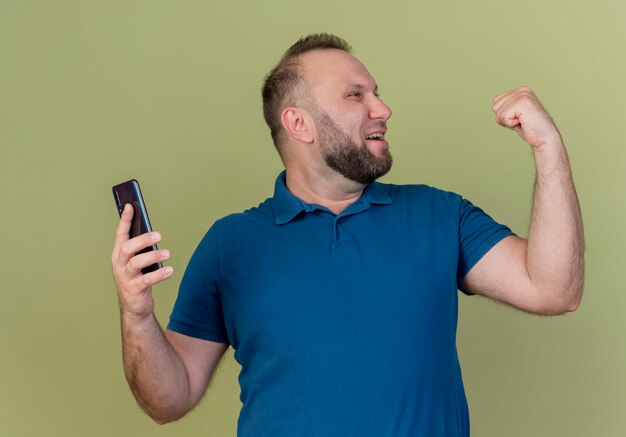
(375, 136)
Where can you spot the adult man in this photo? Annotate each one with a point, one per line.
(339, 294)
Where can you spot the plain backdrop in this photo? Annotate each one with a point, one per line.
(95, 93)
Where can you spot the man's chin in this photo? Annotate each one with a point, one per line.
(379, 149)
(367, 177)
(360, 164)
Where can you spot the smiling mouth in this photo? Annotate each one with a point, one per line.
(378, 136)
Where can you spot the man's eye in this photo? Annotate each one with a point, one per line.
(354, 94)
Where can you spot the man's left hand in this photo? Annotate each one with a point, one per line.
(521, 111)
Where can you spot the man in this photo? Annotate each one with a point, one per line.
(339, 293)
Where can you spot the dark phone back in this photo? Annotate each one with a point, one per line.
(129, 192)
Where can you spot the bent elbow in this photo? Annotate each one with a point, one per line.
(575, 303)
(566, 302)
(163, 419)
(575, 297)
(160, 421)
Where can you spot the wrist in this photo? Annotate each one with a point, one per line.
(134, 321)
(550, 143)
(551, 158)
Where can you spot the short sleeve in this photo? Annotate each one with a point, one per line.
(198, 309)
(478, 233)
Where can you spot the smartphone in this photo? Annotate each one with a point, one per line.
(129, 192)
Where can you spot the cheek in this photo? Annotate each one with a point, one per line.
(353, 126)
(350, 121)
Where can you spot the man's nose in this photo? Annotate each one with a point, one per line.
(379, 110)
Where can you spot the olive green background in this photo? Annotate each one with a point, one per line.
(95, 93)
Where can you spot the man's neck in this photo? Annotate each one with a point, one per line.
(326, 188)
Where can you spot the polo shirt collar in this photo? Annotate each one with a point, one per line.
(377, 193)
(287, 206)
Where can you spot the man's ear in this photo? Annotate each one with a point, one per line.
(297, 124)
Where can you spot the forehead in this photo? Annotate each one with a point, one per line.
(331, 68)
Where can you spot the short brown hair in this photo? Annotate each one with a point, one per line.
(281, 85)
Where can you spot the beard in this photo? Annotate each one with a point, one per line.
(341, 153)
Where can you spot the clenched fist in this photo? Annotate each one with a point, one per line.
(521, 111)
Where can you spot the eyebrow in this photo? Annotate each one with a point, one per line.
(361, 86)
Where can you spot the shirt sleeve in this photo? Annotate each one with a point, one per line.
(478, 233)
(198, 309)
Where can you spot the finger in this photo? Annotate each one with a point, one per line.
(143, 260)
(509, 119)
(519, 90)
(506, 114)
(123, 227)
(508, 125)
(122, 231)
(129, 248)
(499, 96)
(149, 279)
(503, 96)
(517, 94)
(503, 100)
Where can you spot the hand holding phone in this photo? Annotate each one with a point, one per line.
(130, 192)
(136, 260)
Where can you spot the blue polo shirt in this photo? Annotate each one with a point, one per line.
(343, 324)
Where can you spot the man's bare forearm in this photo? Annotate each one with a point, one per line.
(155, 373)
(555, 254)
(553, 257)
